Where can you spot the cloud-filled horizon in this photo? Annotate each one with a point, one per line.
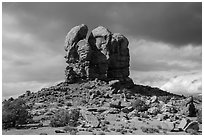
(165, 41)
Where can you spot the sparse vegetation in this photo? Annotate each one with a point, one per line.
(199, 116)
(139, 105)
(149, 130)
(64, 118)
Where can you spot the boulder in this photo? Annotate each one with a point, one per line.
(153, 110)
(167, 125)
(154, 99)
(90, 118)
(133, 113)
(115, 104)
(111, 111)
(169, 108)
(160, 117)
(194, 125)
(127, 109)
(113, 82)
(76, 34)
(184, 122)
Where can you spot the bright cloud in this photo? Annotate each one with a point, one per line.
(185, 84)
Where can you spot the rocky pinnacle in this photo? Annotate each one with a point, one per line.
(103, 55)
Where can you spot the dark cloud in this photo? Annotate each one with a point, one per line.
(141, 65)
(175, 23)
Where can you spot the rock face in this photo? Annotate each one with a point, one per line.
(99, 40)
(119, 57)
(73, 37)
(104, 55)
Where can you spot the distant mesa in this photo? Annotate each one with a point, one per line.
(103, 55)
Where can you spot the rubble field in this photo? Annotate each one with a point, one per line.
(101, 108)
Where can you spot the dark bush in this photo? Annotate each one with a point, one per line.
(65, 117)
(14, 113)
(139, 105)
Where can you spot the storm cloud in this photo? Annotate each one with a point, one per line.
(175, 23)
(165, 39)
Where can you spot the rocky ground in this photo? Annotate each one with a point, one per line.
(107, 108)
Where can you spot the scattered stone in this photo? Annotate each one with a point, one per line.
(154, 99)
(134, 113)
(166, 125)
(144, 114)
(149, 130)
(168, 108)
(184, 122)
(102, 109)
(148, 102)
(127, 109)
(160, 117)
(115, 104)
(153, 110)
(90, 118)
(113, 111)
(113, 82)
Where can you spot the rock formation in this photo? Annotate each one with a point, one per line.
(103, 55)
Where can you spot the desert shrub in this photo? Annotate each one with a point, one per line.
(139, 105)
(71, 130)
(199, 116)
(64, 118)
(149, 130)
(14, 113)
(165, 99)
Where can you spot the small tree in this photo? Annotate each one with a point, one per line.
(64, 118)
(14, 112)
(139, 105)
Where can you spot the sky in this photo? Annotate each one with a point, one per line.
(165, 42)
